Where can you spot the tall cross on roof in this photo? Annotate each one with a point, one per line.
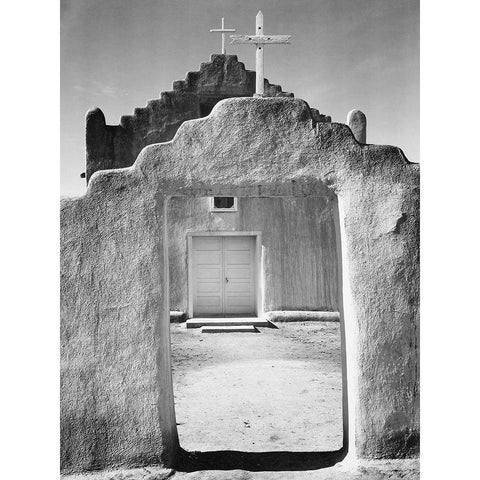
(222, 30)
(259, 40)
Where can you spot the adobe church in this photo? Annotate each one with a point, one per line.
(274, 239)
(213, 201)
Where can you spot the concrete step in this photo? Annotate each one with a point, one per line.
(228, 322)
(230, 329)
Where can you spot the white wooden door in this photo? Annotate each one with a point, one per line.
(207, 275)
(223, 275)
(238, 267)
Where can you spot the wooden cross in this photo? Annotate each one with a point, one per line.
(223, 30)
(259, 40)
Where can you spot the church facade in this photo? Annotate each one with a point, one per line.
(228, 256)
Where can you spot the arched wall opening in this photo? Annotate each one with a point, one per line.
(117, 395)
(316, 193)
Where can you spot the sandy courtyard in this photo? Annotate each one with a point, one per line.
(277, 390)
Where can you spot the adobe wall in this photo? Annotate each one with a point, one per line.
(300, 262)
(116, 387)
(117, 146)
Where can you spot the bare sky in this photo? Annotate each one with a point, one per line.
(344, 54)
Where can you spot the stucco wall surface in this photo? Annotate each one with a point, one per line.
(117, 146)
(117, 404)
(114, 359)
(300, 265)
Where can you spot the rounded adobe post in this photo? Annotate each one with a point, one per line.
(95, 132)
(357, 121)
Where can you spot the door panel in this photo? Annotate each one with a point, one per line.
(223, 275)
(207, 275)
(238, 258)
(238, 261)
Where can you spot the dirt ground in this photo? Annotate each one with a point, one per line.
(277, 390)
(260, 407)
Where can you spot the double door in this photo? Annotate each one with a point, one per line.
(223, 275)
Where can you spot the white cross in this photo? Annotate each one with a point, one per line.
(259, 40)
(223, 30)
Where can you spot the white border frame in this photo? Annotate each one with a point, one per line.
(257, 265)
(222, 210)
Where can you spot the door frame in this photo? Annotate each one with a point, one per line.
(257, 264)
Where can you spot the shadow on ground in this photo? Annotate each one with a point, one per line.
(256, 461)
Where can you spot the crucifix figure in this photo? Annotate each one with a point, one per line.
(259, 40)
(223, 30)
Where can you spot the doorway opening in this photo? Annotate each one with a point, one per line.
(257, 401)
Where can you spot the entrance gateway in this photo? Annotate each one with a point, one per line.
(222, 273)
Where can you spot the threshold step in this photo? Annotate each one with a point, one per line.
(229, 329)
(228, 322)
